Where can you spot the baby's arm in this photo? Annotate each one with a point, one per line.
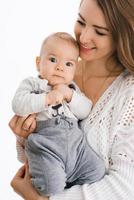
(65, 90)
(29, 100)
(78, 103)
(53, 97)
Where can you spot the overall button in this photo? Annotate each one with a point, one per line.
(71, 124)
(57, 121)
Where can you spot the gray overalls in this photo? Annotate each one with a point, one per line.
(60, 157)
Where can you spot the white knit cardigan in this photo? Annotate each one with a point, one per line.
(110, 132)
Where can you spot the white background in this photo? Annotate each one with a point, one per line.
(23, 26)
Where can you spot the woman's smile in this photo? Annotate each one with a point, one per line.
(86, 49)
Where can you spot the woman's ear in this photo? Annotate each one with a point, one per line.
(38, 63)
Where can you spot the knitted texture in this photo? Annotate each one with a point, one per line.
(110, 131)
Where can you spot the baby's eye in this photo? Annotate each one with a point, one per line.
(69, 64)
(53, 59)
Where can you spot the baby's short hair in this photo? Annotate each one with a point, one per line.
(61, 35)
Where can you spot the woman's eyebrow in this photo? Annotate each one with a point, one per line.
(101, 27)
(81, 17)
(96, 26)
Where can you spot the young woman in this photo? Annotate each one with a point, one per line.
(105, 33)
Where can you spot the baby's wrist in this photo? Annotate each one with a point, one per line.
(47, 100)
(69, 95)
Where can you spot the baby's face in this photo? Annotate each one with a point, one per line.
(58, 61)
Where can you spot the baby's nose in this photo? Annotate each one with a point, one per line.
(59, 68)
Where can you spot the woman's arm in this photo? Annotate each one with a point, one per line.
(20, 147)
(22, 185)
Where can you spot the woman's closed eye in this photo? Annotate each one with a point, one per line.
(97, 32)
(53, 59)
(81, 22)
(100, 33)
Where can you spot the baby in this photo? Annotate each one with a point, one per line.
(57, 152)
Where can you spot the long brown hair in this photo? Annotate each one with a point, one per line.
(119, 15)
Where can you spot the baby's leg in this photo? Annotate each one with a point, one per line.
(89, 167)
(46, 167)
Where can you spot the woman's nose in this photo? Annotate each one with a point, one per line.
(86, 36)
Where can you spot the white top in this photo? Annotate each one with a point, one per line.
(110, 131)
(30, 98)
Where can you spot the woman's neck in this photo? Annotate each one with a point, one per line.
(101, 69)
(96, 78)
(95, 68)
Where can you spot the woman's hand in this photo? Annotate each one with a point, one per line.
(23, 126)
(22, 185)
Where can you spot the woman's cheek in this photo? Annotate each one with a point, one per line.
(76, 31)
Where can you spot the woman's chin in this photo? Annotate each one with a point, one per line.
(85, 57)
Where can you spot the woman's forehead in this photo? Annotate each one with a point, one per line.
(90, 11)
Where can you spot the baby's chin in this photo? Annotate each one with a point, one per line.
(56, 81)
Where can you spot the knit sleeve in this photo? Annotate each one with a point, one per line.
(26, 100)
(20, 149)
(80, 105)
(118, 183)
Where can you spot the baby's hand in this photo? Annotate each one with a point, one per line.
(54, 97)
(65, 90)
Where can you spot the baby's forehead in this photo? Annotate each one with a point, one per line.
(61, 38)
(60, 45)
(55, 43)
(53, 39)
(57, 40)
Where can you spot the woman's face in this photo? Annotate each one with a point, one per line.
(92, 33)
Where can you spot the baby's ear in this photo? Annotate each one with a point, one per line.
(38, 63)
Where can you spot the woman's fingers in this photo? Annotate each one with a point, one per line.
(22, 185)
(27, 175)
(17, 181)
(13, 122)
(16, 124)
(23, 126)
(20, 174)
(28, 122)
(33, 126)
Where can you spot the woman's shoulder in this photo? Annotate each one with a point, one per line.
(127, 81)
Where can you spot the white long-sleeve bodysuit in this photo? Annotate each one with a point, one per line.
(30, 98)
